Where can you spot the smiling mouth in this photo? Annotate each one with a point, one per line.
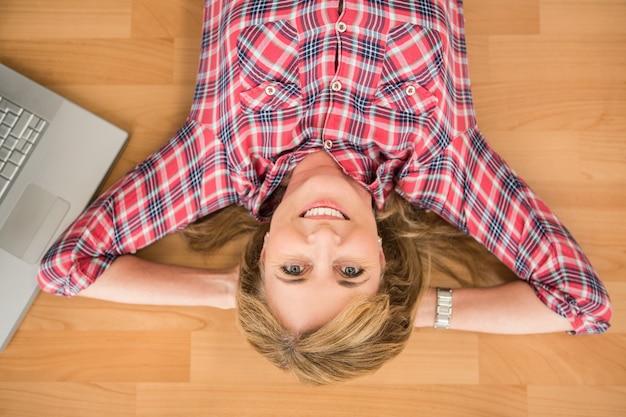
(320, 213)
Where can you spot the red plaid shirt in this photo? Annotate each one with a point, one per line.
(384, 91)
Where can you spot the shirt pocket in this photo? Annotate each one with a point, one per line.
(414, 53)
(405, 96)
(271, 95)
(268, 52)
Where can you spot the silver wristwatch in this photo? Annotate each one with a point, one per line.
(444, 308)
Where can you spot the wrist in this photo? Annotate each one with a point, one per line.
(219, 290)
(425, 316)
(219, 296)
(443, 308)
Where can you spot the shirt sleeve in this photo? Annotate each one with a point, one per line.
(186, 179)
(473, 188)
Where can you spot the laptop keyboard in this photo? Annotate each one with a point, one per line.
(19, 133)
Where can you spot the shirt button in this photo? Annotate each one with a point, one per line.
(336, 86)
(270, 90)
(328, 144)
(342, 27)
(410, 90)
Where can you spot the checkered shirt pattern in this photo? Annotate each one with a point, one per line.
(383, 87)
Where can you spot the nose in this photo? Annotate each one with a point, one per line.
(324, 235)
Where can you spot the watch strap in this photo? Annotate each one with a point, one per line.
(443, 312)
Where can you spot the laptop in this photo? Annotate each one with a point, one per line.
(53, 157)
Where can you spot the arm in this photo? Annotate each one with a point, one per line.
(189, 177)
(130, 279)
(511, 308)
(474, 189)
(186, 179)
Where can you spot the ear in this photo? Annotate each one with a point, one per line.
(383, 261)
(262, 255)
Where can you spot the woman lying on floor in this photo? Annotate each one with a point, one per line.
(346, 130)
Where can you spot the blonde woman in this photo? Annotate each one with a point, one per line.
(346, 131)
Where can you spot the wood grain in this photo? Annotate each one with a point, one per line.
(549, 82)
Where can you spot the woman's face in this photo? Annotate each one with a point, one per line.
(323, 247)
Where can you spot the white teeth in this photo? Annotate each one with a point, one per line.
(324, 211)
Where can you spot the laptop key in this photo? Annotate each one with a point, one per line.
(21, 124)
(9, 170)
(21, 143)
(26, 147)
(41, 123)
(10, 119)
(4, 154)
(4, 131)
(10, 143)
(7, 106)
(17, 158)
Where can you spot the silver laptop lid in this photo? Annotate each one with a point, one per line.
(58, 180)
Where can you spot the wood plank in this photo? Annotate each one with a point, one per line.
(52, 313)
(535, 106)
(559, 360)
(93, 61)
(160, 400)
(424, 361)
(499, 17)
(557, 59)
(166, 19)
(69, 399)
(583, 17)
(64, 19)
(83, 356)
(551, 401)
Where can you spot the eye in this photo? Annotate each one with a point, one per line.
(351, 271)
(292, 269)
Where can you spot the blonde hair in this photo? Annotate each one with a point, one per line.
(369, 331)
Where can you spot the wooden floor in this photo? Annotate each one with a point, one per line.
(549, 82)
